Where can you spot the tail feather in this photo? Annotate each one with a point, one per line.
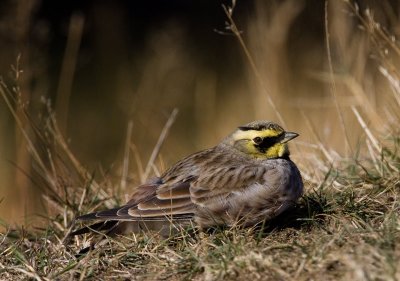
(111, 214)
(97, 227)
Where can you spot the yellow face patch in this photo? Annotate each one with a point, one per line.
(244, 140)
(278, 150)
(251, 134)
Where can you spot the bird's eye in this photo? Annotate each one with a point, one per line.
(257, 140)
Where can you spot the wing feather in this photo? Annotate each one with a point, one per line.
(175, 191)
(235, 178)
(161, 212)
(147, 203)
(157, 204)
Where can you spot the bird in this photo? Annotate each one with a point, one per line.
(246, 179)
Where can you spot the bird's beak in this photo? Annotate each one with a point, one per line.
(289, 136)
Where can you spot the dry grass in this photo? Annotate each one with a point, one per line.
(345, 227)
(338, 234)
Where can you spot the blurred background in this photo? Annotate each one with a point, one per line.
(104, 64)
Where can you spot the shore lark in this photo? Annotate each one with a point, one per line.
(246, 179)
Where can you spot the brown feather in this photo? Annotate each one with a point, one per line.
(161, 212)
(167, 204)
(176, 191)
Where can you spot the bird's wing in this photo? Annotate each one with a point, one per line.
(178, 197)
(221, 182)
(165, 198)
(148, 203)
(248, 194)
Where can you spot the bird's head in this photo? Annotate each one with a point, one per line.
(261, 139)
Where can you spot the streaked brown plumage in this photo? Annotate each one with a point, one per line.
(245, 179)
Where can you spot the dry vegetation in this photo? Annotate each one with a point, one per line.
(345, 227)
